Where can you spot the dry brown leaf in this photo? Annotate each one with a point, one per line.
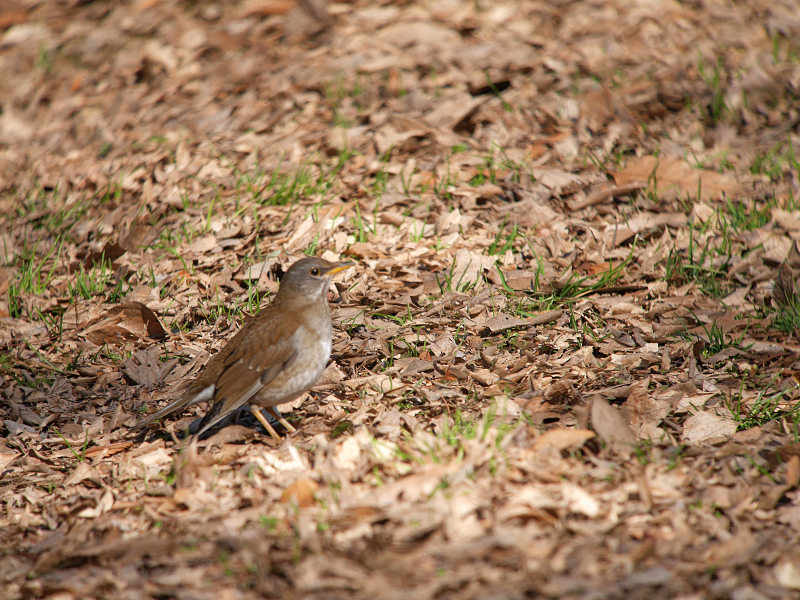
(7, 458)
(562, 439)
(793, 471)
(301, 493)
(84, 471)
(788, 220)
(503, 322)
(124, 322)
(617, 234)
(145, 367)
(672, 178)
(103, 505)
(787, 573)
(648, 411)
(609, 423)
(707, 427)
(12, 17)
(202, 244)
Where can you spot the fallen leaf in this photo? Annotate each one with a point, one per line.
(793, 471)
(672, 178)
(105, 504)
(562, 438)
(609, 423)
(579, 500)
(145, 367)
(787, 572)
(707, 427)
(128, 321)
(7, 458)
(301, 493)
(503, 322)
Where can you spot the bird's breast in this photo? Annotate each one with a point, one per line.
(313, 349)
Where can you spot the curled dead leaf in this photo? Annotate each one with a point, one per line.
(128, 321)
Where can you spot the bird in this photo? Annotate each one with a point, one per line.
(273, 358)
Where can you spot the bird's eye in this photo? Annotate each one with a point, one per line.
(315, 271)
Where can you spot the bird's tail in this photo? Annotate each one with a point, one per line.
(190, 397)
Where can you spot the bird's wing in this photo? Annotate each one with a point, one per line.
(244, 374)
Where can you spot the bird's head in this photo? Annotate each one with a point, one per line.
(310, 277)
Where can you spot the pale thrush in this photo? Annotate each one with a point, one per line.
(273, 358)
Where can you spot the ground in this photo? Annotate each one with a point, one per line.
(565, 364)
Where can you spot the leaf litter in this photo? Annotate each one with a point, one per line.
(565, 366)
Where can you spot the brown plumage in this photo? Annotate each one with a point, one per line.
(274, 358)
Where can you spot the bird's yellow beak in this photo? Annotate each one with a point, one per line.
(338, 267)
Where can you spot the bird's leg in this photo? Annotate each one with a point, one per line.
(256, 410)
(279, 417)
